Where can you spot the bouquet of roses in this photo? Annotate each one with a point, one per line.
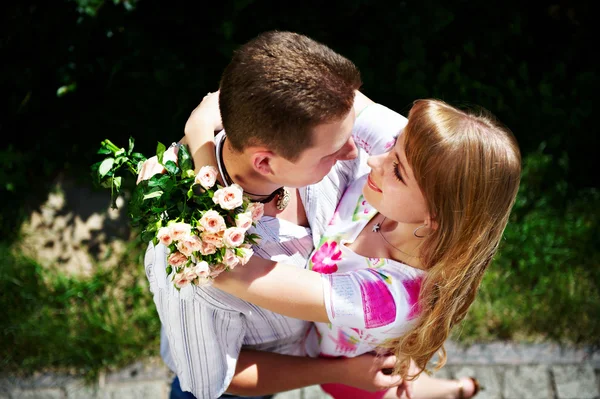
(205, 226)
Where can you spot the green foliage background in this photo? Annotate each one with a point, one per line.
(78, 71)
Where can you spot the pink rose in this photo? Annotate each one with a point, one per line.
(244, 220)
(233, 237)
(213, 239)
(207, 176)
(180, 230)
(212, 222)
(207, 248)
(177, 259)
(164, 236)
(244, 255)
(230, 260)
(257, 210)
(181, 280)
(189, 244)
(229, 197)
(189, 273)
(217, 269)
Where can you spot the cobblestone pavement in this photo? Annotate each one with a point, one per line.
(508, 371)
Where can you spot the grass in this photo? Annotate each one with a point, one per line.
(54, 322)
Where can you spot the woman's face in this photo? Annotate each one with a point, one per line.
(391, 187)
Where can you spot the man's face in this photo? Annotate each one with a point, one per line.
(332, 142)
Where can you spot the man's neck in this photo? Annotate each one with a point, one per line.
(240, 170)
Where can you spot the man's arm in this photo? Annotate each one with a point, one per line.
(262, 373)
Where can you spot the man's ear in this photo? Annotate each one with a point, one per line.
(261, 162)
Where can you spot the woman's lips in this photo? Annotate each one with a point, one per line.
(372, 185)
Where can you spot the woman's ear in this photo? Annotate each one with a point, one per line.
(431, 223)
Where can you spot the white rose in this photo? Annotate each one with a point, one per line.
(207, 248)
(201, 269)
(164, 236)
(244, 255)
(233, 237)
(181, 280)
(229, 197)
(244, 220)
(180, 230)
(212, 222)
(217, 269)
(207, 176)
(230, 260)
(257, 210)
(214, 239)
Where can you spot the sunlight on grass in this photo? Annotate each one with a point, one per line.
(55, 322)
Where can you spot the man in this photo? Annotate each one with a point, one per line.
(287, 106)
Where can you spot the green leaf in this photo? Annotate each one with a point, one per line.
(106, 166)
(158, 180)
(160, 151)
(154, 194)
(137, 156)
(131, 141)
(104, 151)
(172, 168)
(117, 183)
(185, 159)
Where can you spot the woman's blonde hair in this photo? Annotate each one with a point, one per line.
(468, 167)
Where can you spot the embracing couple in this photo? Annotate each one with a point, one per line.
(376, 232)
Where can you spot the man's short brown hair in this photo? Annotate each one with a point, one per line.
(281, 85)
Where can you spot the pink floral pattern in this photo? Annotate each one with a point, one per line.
(325, 259)
(413, 288)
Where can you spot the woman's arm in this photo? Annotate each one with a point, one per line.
(200, 129)
(281, 288)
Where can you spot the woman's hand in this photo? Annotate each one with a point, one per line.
(151, 166)
(205, 115)
(200, 129)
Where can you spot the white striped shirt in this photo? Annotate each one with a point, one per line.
(204, 329)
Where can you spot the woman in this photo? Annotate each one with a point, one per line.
(403, 258)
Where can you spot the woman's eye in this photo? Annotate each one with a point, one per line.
(397, 172)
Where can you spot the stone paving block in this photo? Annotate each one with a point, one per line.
(293, 394)
(42, 393)
(136, 390)
(575, 382)
(80, 390)
(489, 377)
(314, 392)
(151, 369)
(444, 372)
(527, 382)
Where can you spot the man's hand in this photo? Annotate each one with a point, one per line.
(371, 373)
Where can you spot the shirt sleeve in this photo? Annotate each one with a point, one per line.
(371, 298)
(203, 340)
(376, 128)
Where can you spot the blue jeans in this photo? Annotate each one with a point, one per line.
(177, 393)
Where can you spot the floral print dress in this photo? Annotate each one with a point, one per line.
(368, 300)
